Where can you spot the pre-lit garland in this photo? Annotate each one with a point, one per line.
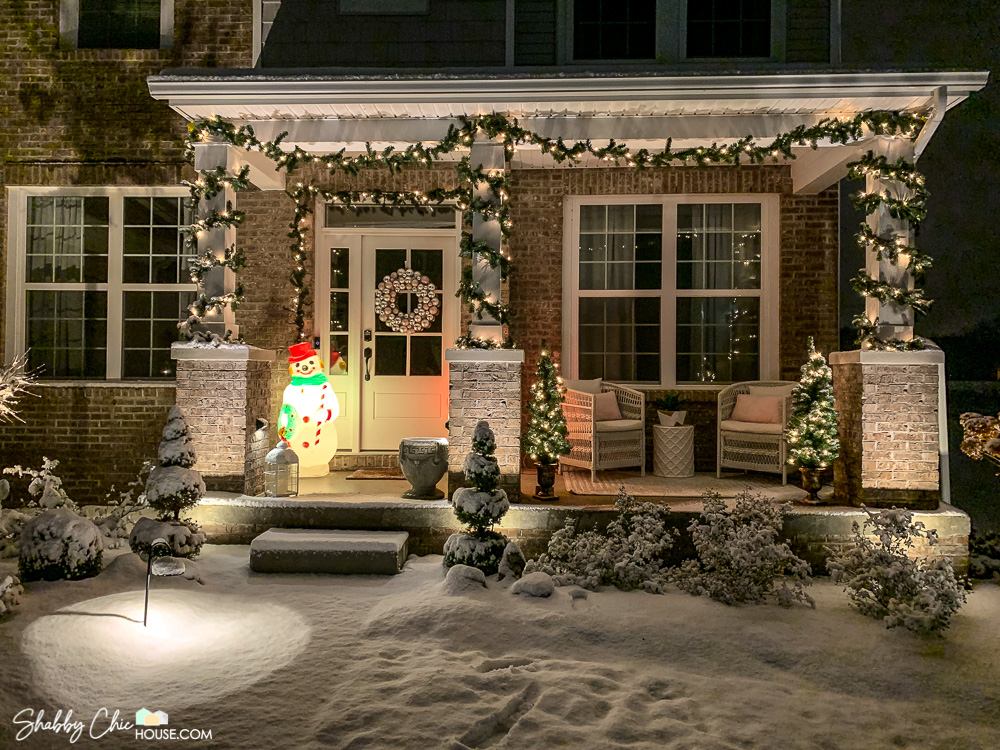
(497, 126)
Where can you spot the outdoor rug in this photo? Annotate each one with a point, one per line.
(608, 483)
(391, 472)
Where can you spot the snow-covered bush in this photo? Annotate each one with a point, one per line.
(512, 562)
(740, 558)
(116, 519)
(174, 486)
(10, 592)
(479, 507)
(630, 554)
(884, 582)
(984, 555)
(45, 488)
(59, 544)
(184, 537)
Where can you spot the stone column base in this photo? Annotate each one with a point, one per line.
(890, 428)
(485, 384)
(223, 391)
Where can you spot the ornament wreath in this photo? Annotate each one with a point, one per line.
(406, 281)
(497, 126)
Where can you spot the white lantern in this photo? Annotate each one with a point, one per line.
(281, 472)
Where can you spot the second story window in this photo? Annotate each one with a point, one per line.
(728, 28)
(119, 24)
(614, 29)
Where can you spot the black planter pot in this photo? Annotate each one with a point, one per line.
(812, 482)
(545, 489)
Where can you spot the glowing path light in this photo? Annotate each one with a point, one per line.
(308, 411)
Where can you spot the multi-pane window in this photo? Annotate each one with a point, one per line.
(728, 28)
(663, 307)
(104, 282)
(119, 24)
(614, 29)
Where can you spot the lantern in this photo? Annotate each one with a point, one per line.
(281, 472)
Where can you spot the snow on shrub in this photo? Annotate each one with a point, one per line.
(184, 537)
(984, 555)
(45, 488)
(10, 592)
(479, 507)
(59, 544)
(116, 519)
(630, 554)
(740, 558)
(884, 582)
(174, 486)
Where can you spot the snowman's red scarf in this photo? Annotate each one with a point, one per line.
(318, 379)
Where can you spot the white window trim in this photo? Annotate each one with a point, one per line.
(768, 294)
(69, 23)
(17, 288)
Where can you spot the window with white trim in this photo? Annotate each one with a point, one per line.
(671, 290)
(99, 280)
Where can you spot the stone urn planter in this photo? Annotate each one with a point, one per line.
(544, 490)
(811, 483)
(423, 462)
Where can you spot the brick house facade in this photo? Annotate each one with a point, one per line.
(84, 117)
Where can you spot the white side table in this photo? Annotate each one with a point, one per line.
(673, 451)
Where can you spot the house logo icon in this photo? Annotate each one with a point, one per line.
(144, 718)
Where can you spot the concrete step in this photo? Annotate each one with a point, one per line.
(329, 551)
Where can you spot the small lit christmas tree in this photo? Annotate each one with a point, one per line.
(812, 427)
(547, 437)
(480, 507)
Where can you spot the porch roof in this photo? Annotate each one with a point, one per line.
(329, 110)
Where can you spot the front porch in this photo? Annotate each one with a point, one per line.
(336, 502)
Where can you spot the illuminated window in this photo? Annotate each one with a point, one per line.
(101, 281)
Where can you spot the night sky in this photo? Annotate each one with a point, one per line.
(962, 161)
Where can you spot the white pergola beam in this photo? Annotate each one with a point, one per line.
(262, 172)
(815, 171)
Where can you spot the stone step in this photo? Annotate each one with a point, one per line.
(329, 551)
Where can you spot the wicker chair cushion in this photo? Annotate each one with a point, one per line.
(619, 425)
(782, 391)
(731, 425)
(584, 386)
(606, 407)
(766, 409)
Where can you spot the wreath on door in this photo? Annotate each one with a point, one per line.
(406, 281)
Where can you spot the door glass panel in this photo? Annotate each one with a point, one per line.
(428, 262)
(340, 306)
(425, 355)
(390, 355)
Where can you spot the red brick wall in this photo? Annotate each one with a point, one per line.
(85, 117)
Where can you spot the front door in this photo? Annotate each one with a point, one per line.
(392, 381)
(404, 388)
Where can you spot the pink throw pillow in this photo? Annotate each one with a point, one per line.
(759, 409)
(606, 407)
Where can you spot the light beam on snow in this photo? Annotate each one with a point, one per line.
(197, 647)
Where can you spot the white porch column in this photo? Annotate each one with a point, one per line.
(218, 281)
(490, 155)
(895, 321)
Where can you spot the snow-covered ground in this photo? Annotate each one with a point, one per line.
(360, 662)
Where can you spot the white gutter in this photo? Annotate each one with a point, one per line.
(278, 88)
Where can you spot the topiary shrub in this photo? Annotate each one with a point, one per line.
(479, 507)
(740, 559)
(630, 554)
(884, 582)
(59, 544)
(174, 486)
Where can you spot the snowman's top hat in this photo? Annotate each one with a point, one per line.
(299, 352)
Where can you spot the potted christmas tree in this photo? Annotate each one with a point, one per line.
(479, 507)
(173, 487)
(812, 427)
(547, 437)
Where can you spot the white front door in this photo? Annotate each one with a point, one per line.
(394, 384)
(404, 386)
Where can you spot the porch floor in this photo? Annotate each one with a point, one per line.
(680, 493)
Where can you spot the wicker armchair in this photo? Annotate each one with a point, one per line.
(749, 445)
(605, 445)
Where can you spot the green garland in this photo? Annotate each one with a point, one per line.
(499, 127)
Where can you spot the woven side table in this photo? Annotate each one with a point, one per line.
(673, 451)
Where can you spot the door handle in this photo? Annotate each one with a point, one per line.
(368, 359)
